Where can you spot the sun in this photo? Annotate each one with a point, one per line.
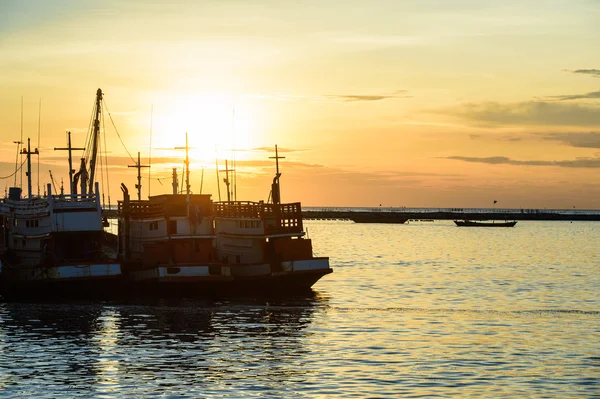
(216, 126)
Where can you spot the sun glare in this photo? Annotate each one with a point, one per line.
(215, 124)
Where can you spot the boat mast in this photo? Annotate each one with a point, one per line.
(226, 180)
(139, 167)
(95, 133)
(187, 173)
(71, 170)
(28, 152)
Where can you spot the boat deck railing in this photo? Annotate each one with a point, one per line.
(141, 208)
(279, 218)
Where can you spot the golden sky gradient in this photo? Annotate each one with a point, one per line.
(399, 103)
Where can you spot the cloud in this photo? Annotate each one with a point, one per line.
(592, 94)
(576, 163)
(578, 139)
(527, 113)
(593, 72)
(335, 97)
(494, 137)
(367, 97)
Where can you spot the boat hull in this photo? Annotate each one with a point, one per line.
(106, 288)
(228, 279)
(85, 281)
(470, 223)
(269, 284)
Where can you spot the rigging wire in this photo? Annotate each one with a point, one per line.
(15, 172)
(118, 135)
(88, 138)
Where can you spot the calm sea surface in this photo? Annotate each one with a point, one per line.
(419, 310)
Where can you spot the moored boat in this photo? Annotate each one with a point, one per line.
(472, 223)
(54, 245)
(184, 244)
(265, 248)
(166, 245)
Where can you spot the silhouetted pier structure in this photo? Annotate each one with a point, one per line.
(402, 215)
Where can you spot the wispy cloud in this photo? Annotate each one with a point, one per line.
(331, 97)
(527, 113)
(576, 163)
(499, 138)
(592, 94)
(593, 72)
(575, 139)
(364, 97)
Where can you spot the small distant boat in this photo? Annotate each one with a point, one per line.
(472, 223)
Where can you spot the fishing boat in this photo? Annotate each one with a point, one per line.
(186, 244)
(264, 244)
(472, 223)
(166, 244)
(54, 244)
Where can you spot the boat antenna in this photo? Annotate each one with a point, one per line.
(150, 150)
(139, 167)
(275, 187)
(38, 145)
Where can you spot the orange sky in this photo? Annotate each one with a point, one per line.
(399, 103)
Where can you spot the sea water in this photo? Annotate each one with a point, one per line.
(423, 309)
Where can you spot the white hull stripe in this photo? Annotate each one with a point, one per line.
(85, 271)
(306, 265)
(185, 271)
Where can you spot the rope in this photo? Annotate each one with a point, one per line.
(118, 135)
(15, 172)
(88, 138)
